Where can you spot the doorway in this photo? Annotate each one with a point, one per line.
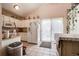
(46, 30)
(57, 27)
(48, 27)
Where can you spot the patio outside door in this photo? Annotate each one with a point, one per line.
(46, 30)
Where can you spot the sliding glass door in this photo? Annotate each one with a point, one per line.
(46, 30)
(57, 26)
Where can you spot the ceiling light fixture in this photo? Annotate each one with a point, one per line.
(16, 7)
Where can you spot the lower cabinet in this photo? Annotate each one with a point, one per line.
(26, 36)
(32, 38)
(23, 36)
(6, 42)
(68, 48)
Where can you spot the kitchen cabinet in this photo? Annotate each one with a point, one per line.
(23, 36)
(19, 23)
(9, 19)
(24, 23)
(68, 48)
(6, 18)
(65, 48)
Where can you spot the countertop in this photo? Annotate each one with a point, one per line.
(10, 38)
(72, 37)
(69, 35)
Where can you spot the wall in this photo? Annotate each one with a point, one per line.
(65, 24)
(52, 11)
(73, 20)
(0, 27)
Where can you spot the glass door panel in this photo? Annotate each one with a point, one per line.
(45, 30)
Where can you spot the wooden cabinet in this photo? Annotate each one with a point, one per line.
(75, 48)
(68, 48)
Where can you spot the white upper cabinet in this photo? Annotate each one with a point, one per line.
(6, 18)
(25, 23)
(22, 23)
(19, 23)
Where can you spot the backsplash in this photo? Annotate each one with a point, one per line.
(73, 19)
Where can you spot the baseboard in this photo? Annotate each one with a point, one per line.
(23, 41)
(32, 43)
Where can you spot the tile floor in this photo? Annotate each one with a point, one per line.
(36, 50)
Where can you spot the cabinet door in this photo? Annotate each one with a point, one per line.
(66, 48)
(75, 48)
(12, 19)
(6, 18)
(28, 37)
(23, 36)
(25, 23)
(17, 22)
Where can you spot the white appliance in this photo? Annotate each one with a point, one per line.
(32, 34)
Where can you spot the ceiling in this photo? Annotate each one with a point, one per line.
(27, 8)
